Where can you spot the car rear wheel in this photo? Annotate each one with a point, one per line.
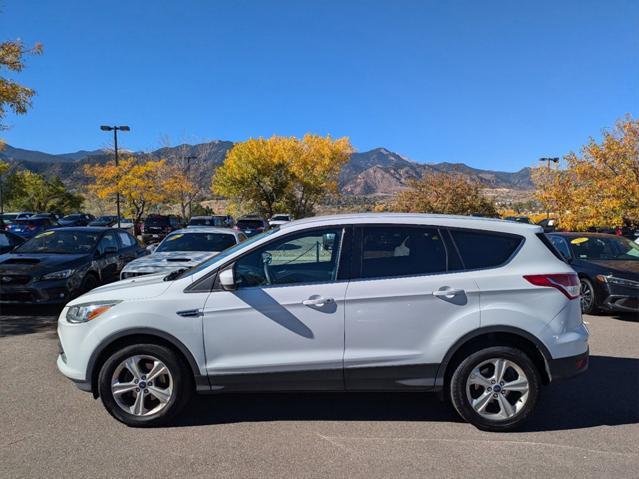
(495, 389)
(144, 385)
(588, 297)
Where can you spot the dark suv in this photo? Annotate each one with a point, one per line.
(156, 227)
(251, 225)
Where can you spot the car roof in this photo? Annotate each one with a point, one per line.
(459, 221)
(204, 229)
(90, 229)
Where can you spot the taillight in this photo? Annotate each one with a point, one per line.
(568, 284)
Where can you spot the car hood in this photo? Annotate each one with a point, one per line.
(141, 287)
(168, 261)
(622, 268)
(40, 263)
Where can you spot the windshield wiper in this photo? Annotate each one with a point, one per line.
(174, 274)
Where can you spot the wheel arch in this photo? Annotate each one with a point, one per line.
(128, 337)
(494, 336)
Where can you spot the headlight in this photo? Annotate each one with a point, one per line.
(81, 313)
(65, 273)
(620, 281)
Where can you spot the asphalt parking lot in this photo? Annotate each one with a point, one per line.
(585, 427)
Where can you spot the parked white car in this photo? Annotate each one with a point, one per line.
(183, 249)
(279, 219)
(484, 311)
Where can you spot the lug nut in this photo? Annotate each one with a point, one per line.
(146, 391)
(495, 395)
(492, 381)
(501, 383)
(150, 383)
(489, 388)
(137, 390)
(143, 378)
(135, 381)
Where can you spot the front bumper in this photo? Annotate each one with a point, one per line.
(563, 368)
(39, 292)
(622, 303)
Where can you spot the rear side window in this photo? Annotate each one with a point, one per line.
(401, 251)
(484, 249)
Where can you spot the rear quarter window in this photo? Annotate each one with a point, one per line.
(485, 249)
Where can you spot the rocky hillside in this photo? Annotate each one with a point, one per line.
(375, 172)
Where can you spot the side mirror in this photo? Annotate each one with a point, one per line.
(227, 279)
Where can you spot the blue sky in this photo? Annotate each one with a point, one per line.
(493, 84)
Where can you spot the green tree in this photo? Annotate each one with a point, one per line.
(26, 190)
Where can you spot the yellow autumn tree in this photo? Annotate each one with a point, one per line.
(180, 187)
(445, 193)
(599, 187)
(281, 173)
(14, 96)
(141, 184)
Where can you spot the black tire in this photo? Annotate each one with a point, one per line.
(89, 282)
(591, 306)
(461, 401)
(180, 374)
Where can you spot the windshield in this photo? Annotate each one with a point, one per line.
(196, 242)
(157, 221)
(9, 216)
(250, 224)
(226, 253)
(280, 218)
(213, 221)
(61, 242)
(71, 218)
(604, 248)
(104, 219)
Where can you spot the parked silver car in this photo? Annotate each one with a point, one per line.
(182, 249)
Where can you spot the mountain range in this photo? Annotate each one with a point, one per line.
(371, 173)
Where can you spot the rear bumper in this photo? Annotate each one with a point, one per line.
(564, 368)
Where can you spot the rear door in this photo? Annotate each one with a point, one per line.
(403, 294)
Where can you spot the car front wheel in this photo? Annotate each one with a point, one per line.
(495, 389)
(144, 385)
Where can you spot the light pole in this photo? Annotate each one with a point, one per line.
(115, 130)
(549, 160)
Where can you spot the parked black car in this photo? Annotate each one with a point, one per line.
(608, 267)
(8, 241)
(548, 224)
(76, 219)
(251, 225)
(519, 219)
(156, 227)
(62, 263)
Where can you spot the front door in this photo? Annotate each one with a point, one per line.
(397, 306)
(283, 328)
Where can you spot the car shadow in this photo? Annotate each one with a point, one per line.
(16, 320)
(577, 403)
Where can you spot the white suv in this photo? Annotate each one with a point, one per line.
(482, 310)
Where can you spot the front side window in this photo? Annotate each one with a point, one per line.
(308, 257)
(389, 251)
(107, 241)
(485, 249)
(126, 239)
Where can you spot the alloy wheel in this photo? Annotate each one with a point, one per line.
(142, 385)
(587, 296)
(497, 389)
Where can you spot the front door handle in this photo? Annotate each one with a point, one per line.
(190, 313)
(447, 292)
(312, 301)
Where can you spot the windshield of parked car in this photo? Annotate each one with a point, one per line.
(60, 242)
(604, 248)
(209, 221)
(280, 218)
(157, 221)
(196, 242)
(32, 222)
(249, 224)
(226, 253)
(102, 220)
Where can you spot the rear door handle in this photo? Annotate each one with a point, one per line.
(317, 301)
(448, 292)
